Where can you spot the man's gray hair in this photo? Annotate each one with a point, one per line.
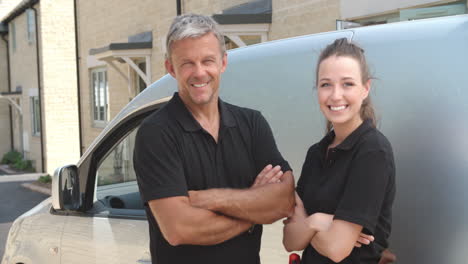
(192, 26)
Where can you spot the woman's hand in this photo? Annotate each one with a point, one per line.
(322, 222)
(387, 257)
(296, 232)
(364, 239)
(299, 214)
(299, 228)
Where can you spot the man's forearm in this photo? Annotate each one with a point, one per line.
(262, 205)
(213, 229)
(183, 224)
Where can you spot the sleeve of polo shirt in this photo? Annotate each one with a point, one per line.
(265, 149)
(365, 190)
(158, 164)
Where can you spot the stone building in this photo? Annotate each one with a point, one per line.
(59, 89)
(38, 106)
(68, 67)
(121, 44)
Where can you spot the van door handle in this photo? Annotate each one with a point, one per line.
(143, 261)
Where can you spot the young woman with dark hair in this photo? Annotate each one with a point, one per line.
(347, 185)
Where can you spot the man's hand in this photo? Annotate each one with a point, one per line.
(269, 174)
(203, 199)
(262, 203)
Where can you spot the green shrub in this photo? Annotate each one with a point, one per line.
(12, 157)
(24, 165)
(45, 179)
(15, 160)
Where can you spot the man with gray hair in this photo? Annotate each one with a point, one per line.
(209, 172)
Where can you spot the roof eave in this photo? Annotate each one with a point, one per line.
(224, 19)
(19, 9)
(122, 46)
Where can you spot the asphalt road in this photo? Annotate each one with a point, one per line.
(14, 201)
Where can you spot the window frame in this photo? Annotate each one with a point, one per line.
(95, 105)
(35, 116)
(121, 131)
(139, 81)
(31, 26)
(13, 36)
(89, 166)
(111, 150)
(105, 194)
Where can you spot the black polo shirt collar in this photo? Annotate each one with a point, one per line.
(350, 140)
(185, 118)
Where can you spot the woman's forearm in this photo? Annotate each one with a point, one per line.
(297, 235)
(300, 230)
(338, 241)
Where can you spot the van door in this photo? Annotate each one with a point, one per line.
(420, 93)
(115, 229)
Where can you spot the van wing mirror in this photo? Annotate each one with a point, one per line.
(66, 188)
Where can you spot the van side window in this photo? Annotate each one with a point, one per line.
(116, 179)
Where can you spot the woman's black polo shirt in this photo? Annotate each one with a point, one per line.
(174, 154)
(356, 183)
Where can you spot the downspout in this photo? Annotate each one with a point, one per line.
(179, 7)
(41, 130)
(77, 55)
(12, 145)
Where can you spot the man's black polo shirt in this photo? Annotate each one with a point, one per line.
(356, 183)
(174, 154)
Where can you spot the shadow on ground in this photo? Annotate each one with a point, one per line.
(15, 200)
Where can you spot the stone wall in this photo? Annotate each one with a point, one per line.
(59, 84)
(108, 21)
(23, 66)
(5, 137)
(302, 17)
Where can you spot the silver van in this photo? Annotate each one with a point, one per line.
(420, 90)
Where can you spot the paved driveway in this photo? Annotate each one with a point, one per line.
(14, 201)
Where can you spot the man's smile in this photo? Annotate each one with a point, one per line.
(199, 85)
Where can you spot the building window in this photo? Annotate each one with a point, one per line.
(140, 83)
(410, 14)
(100, 89)
(31, 26)
(35, 116)
(13, 36)
(435, 11)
